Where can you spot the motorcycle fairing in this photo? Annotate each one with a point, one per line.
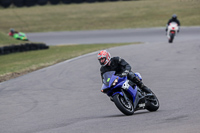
(138, 97)
(107, 87)
(117, 93)
(20, 35)
(173, 27)
(138, 76)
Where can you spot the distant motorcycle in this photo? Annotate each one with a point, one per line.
(172, 31)
(20, 36)
(127, 97)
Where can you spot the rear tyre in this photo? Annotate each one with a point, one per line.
(152, 103)
(125, 107)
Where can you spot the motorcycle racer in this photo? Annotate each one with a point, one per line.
(121, 67)
(12, 32)
(173, 19)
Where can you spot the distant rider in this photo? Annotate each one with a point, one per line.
(120, 66)
(12, 32)
(173, 19)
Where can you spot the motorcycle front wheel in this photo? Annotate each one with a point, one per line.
(171, 38)
(124, 106)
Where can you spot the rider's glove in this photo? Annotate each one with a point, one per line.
(125, 73)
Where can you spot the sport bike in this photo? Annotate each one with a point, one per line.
(20, 36)
(172, 31)
(126, 95)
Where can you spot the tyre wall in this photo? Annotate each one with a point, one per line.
(5, 3)
(29, 3)
(18, 3)
(22, 48)
(42, 2)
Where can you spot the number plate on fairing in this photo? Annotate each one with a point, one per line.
(126, 85)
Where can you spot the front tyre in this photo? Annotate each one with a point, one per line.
(171, 38)
(125, 107)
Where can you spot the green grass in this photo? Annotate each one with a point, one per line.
(17, 64)
(99, 15)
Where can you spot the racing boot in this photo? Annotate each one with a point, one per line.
(138, 82)
(141, 85)
(145, 89)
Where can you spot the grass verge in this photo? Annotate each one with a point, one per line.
(17, 64)
(6, 40)
(99, 15)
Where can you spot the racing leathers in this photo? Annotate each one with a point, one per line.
(173, 20)
(122, 68)
(12, 33)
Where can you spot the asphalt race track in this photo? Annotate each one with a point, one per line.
(66, 97)
(110, 36)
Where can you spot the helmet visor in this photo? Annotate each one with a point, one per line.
(102, 61)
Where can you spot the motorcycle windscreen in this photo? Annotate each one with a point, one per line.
(107, 77)
(21, 34)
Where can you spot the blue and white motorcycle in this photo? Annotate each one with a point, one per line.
(126, 95)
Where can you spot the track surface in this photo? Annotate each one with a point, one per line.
(66, 97)
(111, 36)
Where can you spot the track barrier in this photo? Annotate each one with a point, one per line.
(22, 48)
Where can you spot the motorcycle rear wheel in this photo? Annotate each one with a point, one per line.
(152, 103)
(125, 107)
